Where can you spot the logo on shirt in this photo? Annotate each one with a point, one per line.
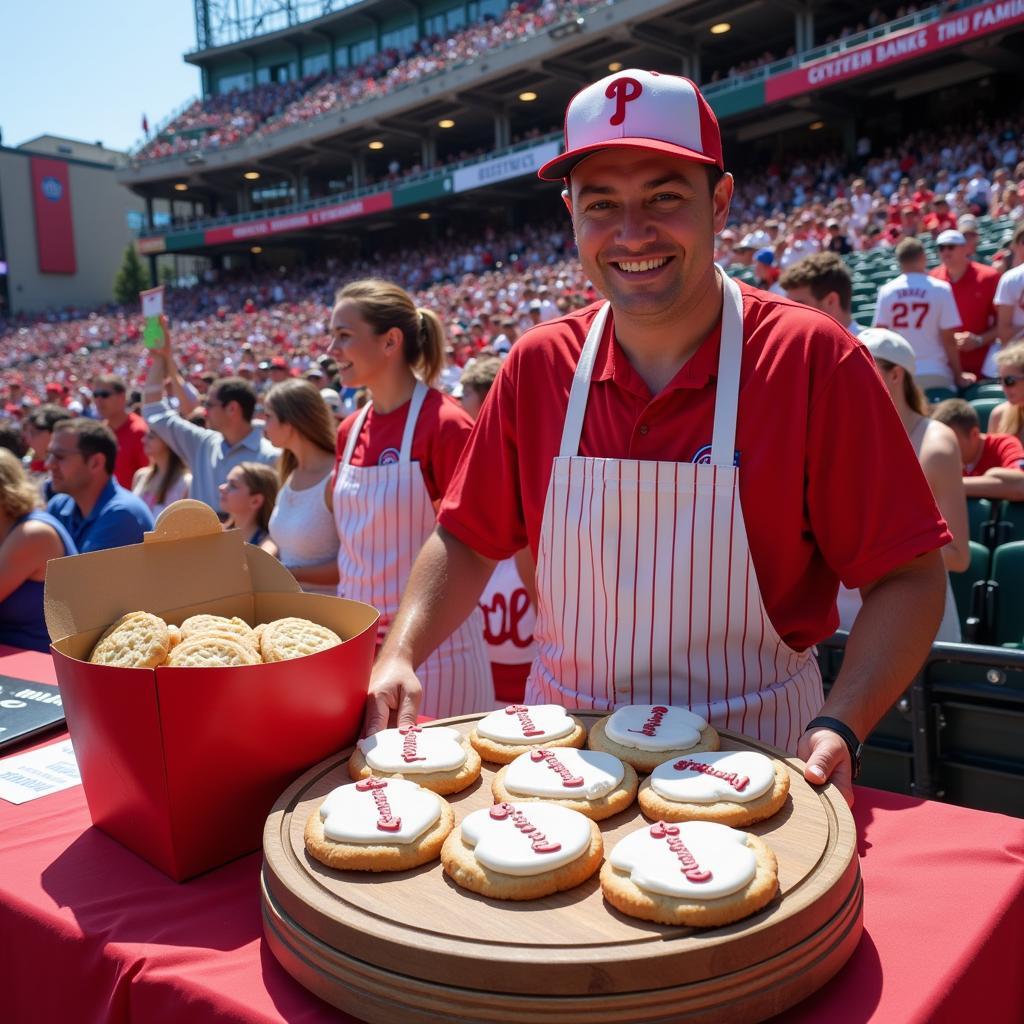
(703, 457)
(388, 457)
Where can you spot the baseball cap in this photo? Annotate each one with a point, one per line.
(765, 256)
(639, 110)
(950, 237)
(968, 222)
(277, 363)
(890, 346)
(536, 304)
(332, 398)
(746, 242)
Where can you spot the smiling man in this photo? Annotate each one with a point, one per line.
(694, 464)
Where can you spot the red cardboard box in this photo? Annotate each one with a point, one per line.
(182, 765)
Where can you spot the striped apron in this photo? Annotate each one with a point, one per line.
(646, 590)
(383, 515)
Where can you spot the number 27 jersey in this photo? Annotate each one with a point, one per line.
(919, 307)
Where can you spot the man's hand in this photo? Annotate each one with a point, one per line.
(394, 695)
(964, 380)
(827, 759)
(967, 341)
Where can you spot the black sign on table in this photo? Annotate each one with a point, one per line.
(26, 709)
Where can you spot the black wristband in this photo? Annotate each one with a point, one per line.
(845, 733)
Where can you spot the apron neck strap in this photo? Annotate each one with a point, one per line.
(723, 438)
(416, 403)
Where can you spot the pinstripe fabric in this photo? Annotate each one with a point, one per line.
(646, 591)
(383, 515)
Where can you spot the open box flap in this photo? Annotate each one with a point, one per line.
(203, 564)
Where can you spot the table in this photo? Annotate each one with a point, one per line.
(91, 933)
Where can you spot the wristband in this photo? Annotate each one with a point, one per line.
(845, 733)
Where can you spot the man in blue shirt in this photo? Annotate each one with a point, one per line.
(92, 506)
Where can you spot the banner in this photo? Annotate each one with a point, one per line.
(513, 165)
(251, 229)
(51, 198)
(888, 51)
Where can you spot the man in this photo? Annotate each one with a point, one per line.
(37, 432)
(993, 463)
(612, 438)
(823, 282)
(967, 225)
(766, 274)
(210, 452)
(111, 397)
(974, 290)
(924, 312)
(940, 219)
(860, 205)
(94, 508)
(1009, 297)
(279, 370)
(837, 242)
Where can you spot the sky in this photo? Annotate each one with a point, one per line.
(89, 69)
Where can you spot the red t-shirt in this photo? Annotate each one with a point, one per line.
(999, 451)
(829, 483)
(441, 433)
(130, 454)
(975, 293)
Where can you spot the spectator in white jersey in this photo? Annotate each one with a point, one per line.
(923, 311)
(822, 281)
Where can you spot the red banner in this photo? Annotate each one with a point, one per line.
(901, 46)
(251, 229)
(55, 233)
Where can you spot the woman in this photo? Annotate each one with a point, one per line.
(302, 531)
(165, 480)
(396, 456)
(247, 496)
(29, 538)
(37, 430)
(939, 454)
(1008, 417)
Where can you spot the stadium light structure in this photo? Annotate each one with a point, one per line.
(376, 144)
(180, 186)
(423, 215)
(816, 126)
(721, 28)
(527, 97)
(616, 65)
(256, 250)
(251, 175)
(446, 122)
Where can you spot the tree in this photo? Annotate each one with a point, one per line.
(130, 279)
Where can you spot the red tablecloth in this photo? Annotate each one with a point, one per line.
(89, 932)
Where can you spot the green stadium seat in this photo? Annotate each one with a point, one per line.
(983, 407)
(939, 394)
(963, 582)
(1009, 518)
(1008, 573)
(979, 517)
(985, 389)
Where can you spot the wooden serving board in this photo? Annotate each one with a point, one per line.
(415, 947)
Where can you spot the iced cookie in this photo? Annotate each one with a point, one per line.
(378, 825)
(438, 759)
(732, 787)
(696, 873)
(503, 735)
(514, 851)
(596, 784)
(645, 735)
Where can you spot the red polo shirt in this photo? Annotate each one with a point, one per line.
(441, 432)
(131, 455)
(999, 451)
(829, 483)
(975, 293)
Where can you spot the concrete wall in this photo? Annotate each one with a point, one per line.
(99, 207)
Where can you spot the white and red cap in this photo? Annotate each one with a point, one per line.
(640, 110)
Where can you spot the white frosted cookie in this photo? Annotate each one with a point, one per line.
(437, 758)
(696, 873)
(514, 851)
(378, 825)
(589, 781)
(503, 735)
(644, 735)
(733, 787)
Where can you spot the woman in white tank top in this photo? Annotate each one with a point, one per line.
(302, 527)
(939, 454)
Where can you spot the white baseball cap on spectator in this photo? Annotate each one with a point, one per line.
(950, 237)
(332, 398)
(968, 223)
(638, 110)
(890, 346)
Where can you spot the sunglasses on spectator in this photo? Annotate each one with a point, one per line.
(941, 247)
(1012, 379)
(102, 394)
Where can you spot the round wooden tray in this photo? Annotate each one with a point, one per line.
(415, 947)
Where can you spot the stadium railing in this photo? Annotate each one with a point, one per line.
(956, 734)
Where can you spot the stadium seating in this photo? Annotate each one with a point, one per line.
(963, 583)
(1008, 574)
(983, 407)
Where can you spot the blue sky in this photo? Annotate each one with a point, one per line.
(89, 69)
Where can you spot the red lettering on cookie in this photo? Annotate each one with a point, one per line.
(738, 782)
(568, 779)
(623, 91)
(409, 753)
(538, 841)
(650, 727)
(387, 822)
(689, 866)
(529, 729)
